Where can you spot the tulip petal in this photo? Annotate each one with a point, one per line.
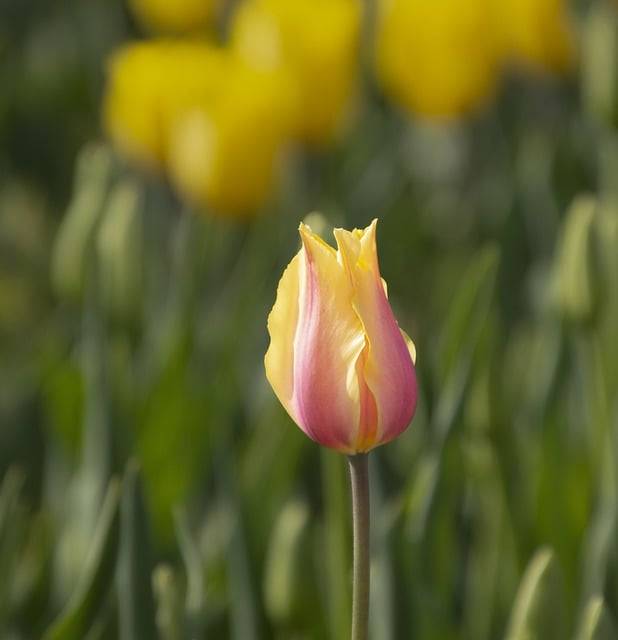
(329, 340)
(279, 359)
(388, 367)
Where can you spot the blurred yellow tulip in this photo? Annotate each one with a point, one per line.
(315, 43)
(227, 156)
(214, 122)
(174, 16)
(149, 85)
(537, 34)
(437, 59)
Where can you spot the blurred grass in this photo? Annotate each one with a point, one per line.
(151, 483)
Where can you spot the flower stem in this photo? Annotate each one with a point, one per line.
(359, 477)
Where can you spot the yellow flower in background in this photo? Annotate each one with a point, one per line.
(215, 123)
(174, 16)
(217, 119)
(437, 59)
(315, 43)
(537, 33)
(149, 84)
(227, 156)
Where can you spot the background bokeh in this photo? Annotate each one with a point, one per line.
(156, 159)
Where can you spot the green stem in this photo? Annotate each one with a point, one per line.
(359, 477)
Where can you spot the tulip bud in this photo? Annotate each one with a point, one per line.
(119, 253)
(283, 575)
(167, 589)
(75, 236)
(575, 277)
(437, 59)
(337, 360)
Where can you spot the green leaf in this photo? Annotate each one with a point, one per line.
(490, 573)
(539, 611)
(172, 458)
(243, 619)
(284, 573)
(96, 579)
(194, 569)
(382, 622)
(575, 279)
(599, 66)
(337, 543)
(170, 620)
(136, 611)
(466, 324)
(465, 327)
(596, 623)
(11, 530)
(73, 246)
(120, 253)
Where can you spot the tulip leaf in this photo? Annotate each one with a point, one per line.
(167, 591)
(575, 279)
(599, 47)
(97, 576)
(337, 542)
(465, 327)
(283, 576)
(539, 610)
(119, 251)
(10, 531)
(194, 568)
(600, 536)
(243, 615)
(382, 597)
(75, 238)
(491, 570)
(136, 610)
(466, 324)
(596, 623)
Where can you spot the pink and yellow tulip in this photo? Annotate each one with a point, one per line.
(337, 360)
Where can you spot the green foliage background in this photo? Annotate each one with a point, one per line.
(152, 486)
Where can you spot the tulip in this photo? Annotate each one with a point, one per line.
(180, 16)
(437, 59)
(120, 254)
(538, 34)
(150, 85)
(337, 360)
(575, 283)
(75, 236)
(227, 156)
(315, 42)
(342, 368)
(217, 125)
